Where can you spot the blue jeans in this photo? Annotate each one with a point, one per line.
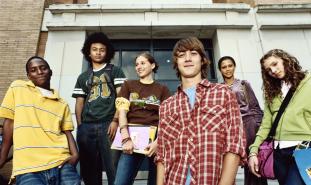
(285, 168)
(67, 175)
(128, 167)
(95, 153)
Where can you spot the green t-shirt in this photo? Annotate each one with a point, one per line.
(100, 104)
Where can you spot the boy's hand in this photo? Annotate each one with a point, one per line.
(73, 160)
(151, 148)
(112, 129)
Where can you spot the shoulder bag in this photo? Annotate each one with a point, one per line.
(265, 154)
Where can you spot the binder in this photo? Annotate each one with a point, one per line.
(141, 136)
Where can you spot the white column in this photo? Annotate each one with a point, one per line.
(244, 46)
(63, 53)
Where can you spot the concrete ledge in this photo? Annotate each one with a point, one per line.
(145, 31)
(285, 26)
(284, 16)
(121, 8)
(280, 8)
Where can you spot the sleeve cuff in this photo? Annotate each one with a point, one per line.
(122, 103)
(238, 150)
(158, 159)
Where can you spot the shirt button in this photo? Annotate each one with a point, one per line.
(191, 139)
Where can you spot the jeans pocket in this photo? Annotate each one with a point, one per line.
(69, 175)
(68, 165)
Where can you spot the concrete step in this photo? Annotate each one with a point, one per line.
(141, 180)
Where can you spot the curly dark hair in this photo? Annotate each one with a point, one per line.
(293, 74)
(151, 59)
(98, 37)
(191, 43)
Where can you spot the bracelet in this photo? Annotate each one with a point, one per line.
(122, 127)
(126, 140)
(251, 155)
(115, 119)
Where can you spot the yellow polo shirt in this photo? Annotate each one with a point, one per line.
(39, 143)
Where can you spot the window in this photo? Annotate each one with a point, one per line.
(161, 49)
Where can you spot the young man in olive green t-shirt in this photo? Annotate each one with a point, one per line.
(95, 93)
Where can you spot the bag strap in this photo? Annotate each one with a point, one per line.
(245, 92)
(110, 82)
(280, 112)
(89, 82)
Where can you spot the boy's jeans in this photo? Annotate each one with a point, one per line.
(67, 175)
(95, 153)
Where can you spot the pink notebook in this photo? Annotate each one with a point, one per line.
(141, 136)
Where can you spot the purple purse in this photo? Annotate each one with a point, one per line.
(265, 159)
(265, 153)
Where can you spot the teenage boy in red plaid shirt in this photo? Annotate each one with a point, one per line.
(201, 139)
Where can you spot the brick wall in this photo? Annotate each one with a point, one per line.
(20, 23)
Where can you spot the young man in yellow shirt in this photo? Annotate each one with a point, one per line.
(38, 122)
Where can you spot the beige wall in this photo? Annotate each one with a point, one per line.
(20, 23)
(42, 43)
(20, 37)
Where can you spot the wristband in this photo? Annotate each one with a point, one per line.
(115, 119)
(251, 155)
(126, 140)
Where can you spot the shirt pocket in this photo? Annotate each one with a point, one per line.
(171, 131)
(171, 127)
(213, 118)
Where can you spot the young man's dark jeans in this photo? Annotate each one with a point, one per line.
(285, 168)
(95, 153)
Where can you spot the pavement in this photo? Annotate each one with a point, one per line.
(239, 180)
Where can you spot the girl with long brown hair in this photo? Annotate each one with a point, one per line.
(282, 72)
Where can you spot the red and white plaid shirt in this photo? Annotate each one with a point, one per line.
(199, 138)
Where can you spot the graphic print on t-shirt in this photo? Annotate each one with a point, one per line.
(142, 102)
(100, 88)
